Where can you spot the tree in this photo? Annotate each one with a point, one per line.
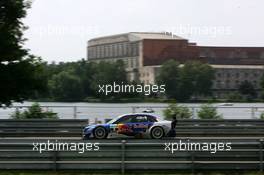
(247, 88)
(193, 79)
(207, 111)
(261, 116)
(20, 72)
(66, 86)
(87, 71)
(106, 73)
(196, 79)
(34, 112)
(180, 111)
(169, 76)
(262, 87)
(262, 82)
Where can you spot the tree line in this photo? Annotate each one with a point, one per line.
(193, 79)
(79, 81)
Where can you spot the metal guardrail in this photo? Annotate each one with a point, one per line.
(129, 155)
(42, 127)
(74, 127)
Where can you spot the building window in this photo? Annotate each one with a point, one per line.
(115, 50)
(93, 52)
(237, 83)
(136, 62)
(218, 84)
(129, 50)
(120, 50)
(125, 49)
(128, 63)
(134, 49)
(132, 63)
(227, 83)
(110, 50)
(97, 52)
(100, 52)
(89, 52)
(262, 55)
(103, 51)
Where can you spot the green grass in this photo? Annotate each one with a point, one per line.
(72, 172)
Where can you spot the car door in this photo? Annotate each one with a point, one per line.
(122, 126)
(139, 124)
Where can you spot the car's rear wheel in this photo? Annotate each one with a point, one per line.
(157, 132)
(100, 133)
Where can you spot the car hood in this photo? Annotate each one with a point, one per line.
(95, 125)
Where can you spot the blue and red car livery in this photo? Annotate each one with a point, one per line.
(137, 125)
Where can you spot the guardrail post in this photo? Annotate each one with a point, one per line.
(55, 160)
(253, 113)
(123, 156)
(192, 159)
(261, 155)
(75, 112)
(17, 109)
(193, 113)
(134, 109)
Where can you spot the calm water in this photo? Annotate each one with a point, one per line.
(106, 111)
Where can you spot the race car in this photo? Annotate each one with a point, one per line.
(136, 125)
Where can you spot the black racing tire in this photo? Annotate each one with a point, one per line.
(85, 137)
(100, 133)
(157, 132)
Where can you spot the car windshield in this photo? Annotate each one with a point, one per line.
(113, 120)
(158, 119)
(117, 118)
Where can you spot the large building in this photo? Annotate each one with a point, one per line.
(144, 53)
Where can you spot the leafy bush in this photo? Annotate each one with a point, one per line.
(234, 97)
(207, 111)
(181, 112)
(261, 116)
(34, 112)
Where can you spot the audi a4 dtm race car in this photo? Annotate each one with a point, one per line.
(137, 125)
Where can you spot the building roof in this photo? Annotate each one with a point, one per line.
(152, 35)
(222, 66)
(134, 36)
(237, 66)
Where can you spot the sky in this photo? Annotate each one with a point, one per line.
(59, 29)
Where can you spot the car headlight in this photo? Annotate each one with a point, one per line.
(85, 129)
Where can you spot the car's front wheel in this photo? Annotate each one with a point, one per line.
(85, 137)
(100, 133)
(157, 132)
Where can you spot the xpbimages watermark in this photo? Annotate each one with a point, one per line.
(80, 147)
(212, 147)
(131, 88)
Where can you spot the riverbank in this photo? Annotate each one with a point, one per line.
(151, 100)
(102, 111)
